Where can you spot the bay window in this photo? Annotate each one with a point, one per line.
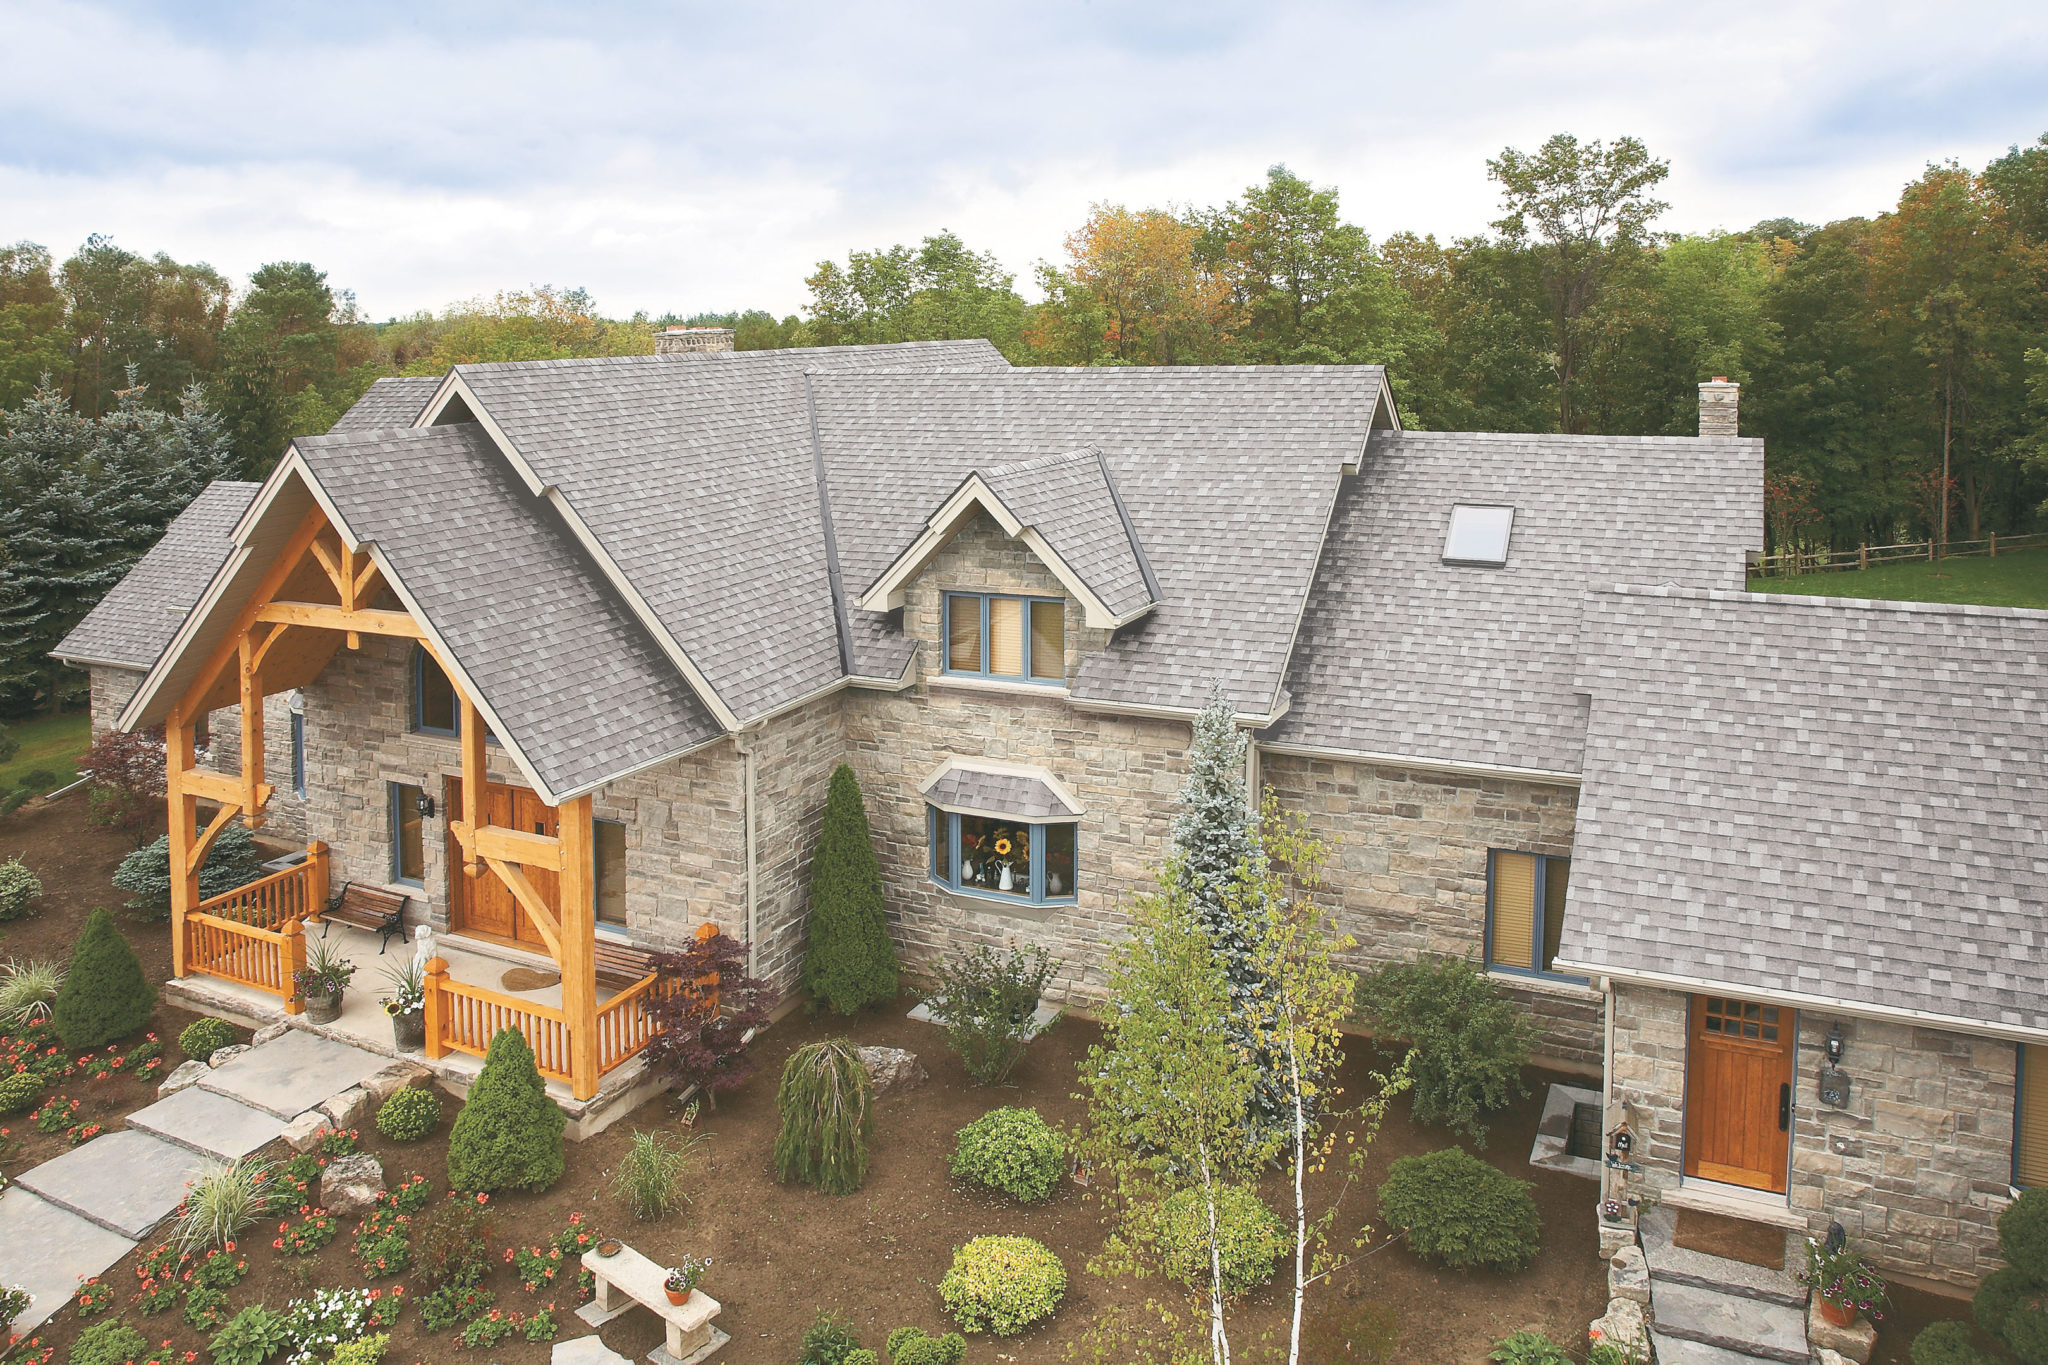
(1002, 857)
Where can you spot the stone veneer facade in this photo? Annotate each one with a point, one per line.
(1916, 1169)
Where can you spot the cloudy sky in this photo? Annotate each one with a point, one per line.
(702, 154)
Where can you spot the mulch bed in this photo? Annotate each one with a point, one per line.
(783, 1254)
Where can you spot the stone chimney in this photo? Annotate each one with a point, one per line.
(1717, 407)
(694, 340)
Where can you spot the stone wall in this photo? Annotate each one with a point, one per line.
(1407, 870)
(111, 689)
(1916, 1168)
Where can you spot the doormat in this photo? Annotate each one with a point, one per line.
(527, 979)
(1736, 1239)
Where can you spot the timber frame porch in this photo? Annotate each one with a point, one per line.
(315, 598)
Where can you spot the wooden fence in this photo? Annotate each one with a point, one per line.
(1791, 563)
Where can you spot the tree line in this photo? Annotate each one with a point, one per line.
(1875, 353)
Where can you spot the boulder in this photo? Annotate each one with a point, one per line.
(350, 1109)
(302, 1134)
(1628, 1276)
(891, 1069)
(351, 1184)
(1622, 1326)
(1615, 1236)
(382, 1085)
(270, 1031)
(1852, 1343)
(187, 1074)
(223, 1055)
(1823, 1356)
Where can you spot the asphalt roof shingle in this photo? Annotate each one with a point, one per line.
(1072, 501)
(388, 403)
(1836, 799)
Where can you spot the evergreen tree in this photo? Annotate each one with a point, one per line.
(1215, 841)
(105, 995)
(850, 962)
(509, 1134)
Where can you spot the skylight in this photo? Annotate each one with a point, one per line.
(1479, 535)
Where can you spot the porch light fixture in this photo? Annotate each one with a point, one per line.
(426, 806)
(1834, 1045)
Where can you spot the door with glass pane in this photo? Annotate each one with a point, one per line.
(1738, 1092)
(485, 905)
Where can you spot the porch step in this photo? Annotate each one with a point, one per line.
(47, 1250)
(292, 1073)
(124, 1181)
(1731, 1322)
(209, 1124)
(1679, 1351)
(1671, 1264)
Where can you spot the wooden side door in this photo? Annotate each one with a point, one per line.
(485, 905)
(1738, 1091)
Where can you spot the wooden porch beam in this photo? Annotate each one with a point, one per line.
(184, 814)
(473, 776)
(515, 846)
(577, 899)
(270, 637)
(536, 909)
(204, 842)
(254, 793)
(367, 621)
(334, 564)
(309, 526)
(208, 785)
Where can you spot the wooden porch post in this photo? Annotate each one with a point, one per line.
(184, 821)
(316, 879)
(578, 921)
(436, 1007)
(294, 956)
(252, 733)
(473, 780)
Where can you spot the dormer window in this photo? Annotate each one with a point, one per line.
(1479, 535)
(1019, 639)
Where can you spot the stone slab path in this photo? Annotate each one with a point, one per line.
(124, 1181)
(293, 1073)
(48, 1250)
(1710, 1310)
(1734, 1322)
(209, 1124)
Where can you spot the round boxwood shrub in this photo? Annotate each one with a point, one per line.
(509, 1135)
(1947, 1343)
(409, 1114)
(19, 1092)
(105, 995)
(910, 1346)
(1003, 1285)
(19, 890)
(108, 1343)
(1012, 1150)
(203, 1037)
(1460, 1211)
(1250, 1236)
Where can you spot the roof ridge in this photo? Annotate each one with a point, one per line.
(1036, 462)
(1791, 599)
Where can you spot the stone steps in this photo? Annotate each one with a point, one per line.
(47, 1250)
(1735, 1323)
(1678, 1351)
(292, 1073)
(209, 1124)
(1672, 1264)
(126, 1181)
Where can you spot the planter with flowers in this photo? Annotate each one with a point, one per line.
(1843, 1284)
(684, 1277)
(407, 1004)
(322, 980)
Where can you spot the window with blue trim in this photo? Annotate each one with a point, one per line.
(408, 840)
(987, 855)
(1525, 908)
(991, 635)
(299, 754)
(435, 709)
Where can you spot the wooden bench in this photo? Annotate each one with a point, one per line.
(620, 965)
(691, 1337)
(370, 909)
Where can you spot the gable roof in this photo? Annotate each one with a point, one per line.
(130, 626)
(1404, 656)
(388, 403)
(1818, 799)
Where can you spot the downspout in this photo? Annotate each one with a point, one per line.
(744, 743)
(1607, 1172)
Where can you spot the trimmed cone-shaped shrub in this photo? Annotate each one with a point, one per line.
(828, 1115)
(850, 962)
(1460, 1211)
(509, 1135)
(105, 995)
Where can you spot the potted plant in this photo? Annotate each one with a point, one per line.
(684, 1276)
(322, 980)
(407, 1003)
(1843, 1284)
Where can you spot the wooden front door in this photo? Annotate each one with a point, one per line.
(485, 905)
(1738, 1092)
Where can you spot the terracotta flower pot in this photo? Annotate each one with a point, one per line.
(680, 1296)
(1840, 1314)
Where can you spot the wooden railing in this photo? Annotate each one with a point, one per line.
(255, 934)
(624, 1024)
(464, 1018)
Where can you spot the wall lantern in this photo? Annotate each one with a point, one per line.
(426, 806)
(1834, 1045)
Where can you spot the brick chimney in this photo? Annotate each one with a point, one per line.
(692, 340)
(1718, 401)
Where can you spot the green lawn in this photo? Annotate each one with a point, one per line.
(53, 742)
(2018, 578)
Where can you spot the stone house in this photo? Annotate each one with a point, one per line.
(565, 653)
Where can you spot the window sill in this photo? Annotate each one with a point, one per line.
(1566, 986)
(1015, 687)
(997, 903)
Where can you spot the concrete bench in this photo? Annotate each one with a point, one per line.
(691, 1337)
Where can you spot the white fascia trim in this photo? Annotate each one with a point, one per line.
(969, 683)
(644, 613)
(80, 661)
(898, 684)
(990, 765)
(292, 464)
(1434, 765)
(454, 386)
(1690, 985)
(1180, 713)
(655, 762)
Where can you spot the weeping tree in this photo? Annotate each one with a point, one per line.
(828, 1116)
(849, 963)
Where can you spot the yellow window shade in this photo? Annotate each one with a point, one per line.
(1006, 637)
(1514, 910)
(2030, 1165)
(963, 643)
(1048, 640)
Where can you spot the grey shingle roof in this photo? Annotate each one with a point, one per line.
(1835, 799)
(576, 682)
(1228, 476)
(1017, 796)
(1403, 654)
(695, 474)
(388, 403)
(1072, 501)
(135, 620)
